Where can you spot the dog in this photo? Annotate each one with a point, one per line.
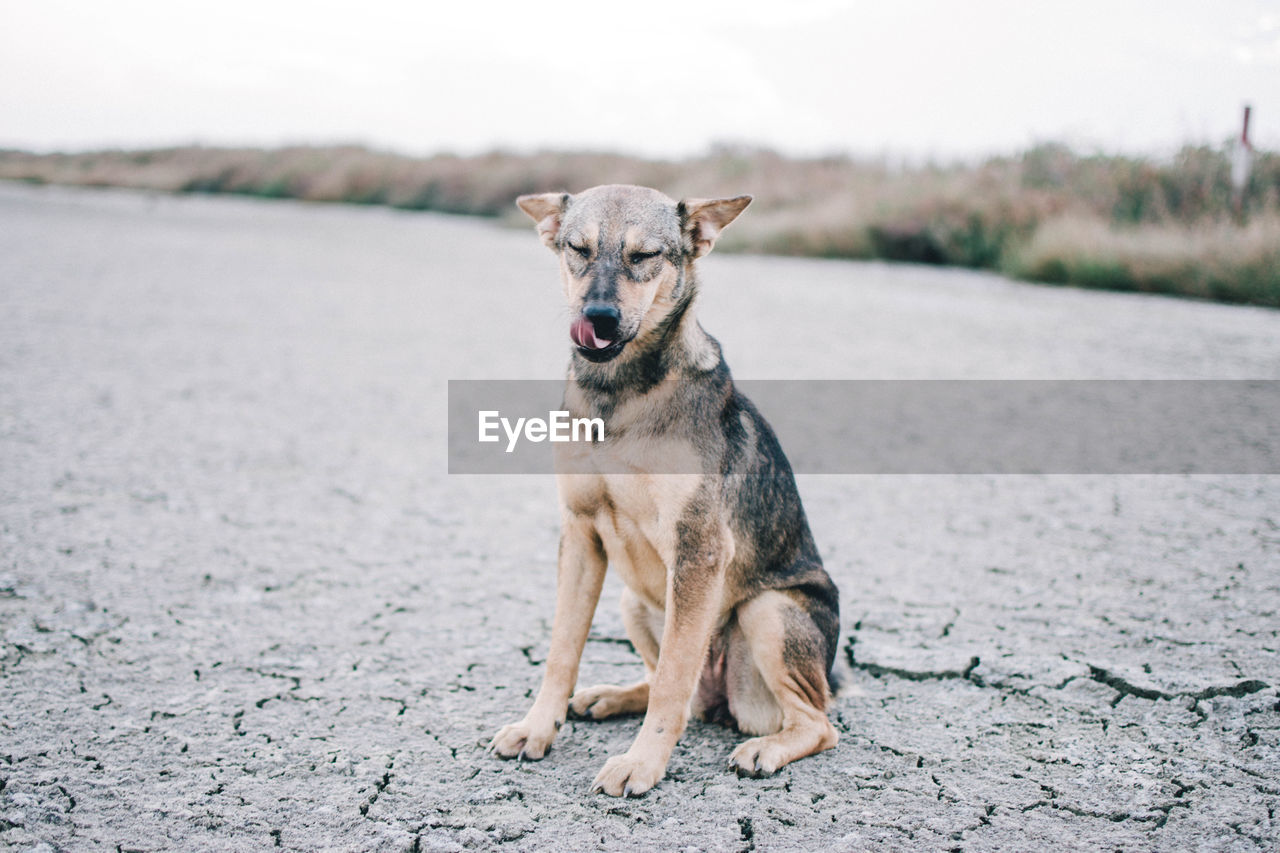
(726, 598)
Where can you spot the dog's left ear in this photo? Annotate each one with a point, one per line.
(546, 209)
(704, 218)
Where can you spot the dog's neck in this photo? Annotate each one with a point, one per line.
(676, 348)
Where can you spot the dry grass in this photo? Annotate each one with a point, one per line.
(1214, 260)
(1048, 214)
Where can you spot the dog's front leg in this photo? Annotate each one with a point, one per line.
(694, 590)
(578, 582)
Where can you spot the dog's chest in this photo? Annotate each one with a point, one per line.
(636, 510)
(638, 521)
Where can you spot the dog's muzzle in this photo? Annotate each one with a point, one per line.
(596, 331)
(584, 335)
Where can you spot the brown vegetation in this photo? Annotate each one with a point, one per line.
(1048, 214)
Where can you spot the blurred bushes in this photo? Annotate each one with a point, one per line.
(1049, 214)
(1212, 260)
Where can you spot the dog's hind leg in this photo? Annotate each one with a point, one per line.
(644, 626)
(777, 684)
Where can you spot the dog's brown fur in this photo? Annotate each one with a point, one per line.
(726, 600)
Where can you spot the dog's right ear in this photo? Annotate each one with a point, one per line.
(546, 209)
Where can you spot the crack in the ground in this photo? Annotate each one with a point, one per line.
(1166, 808)
(284, 697)
(453, 750)
(620, 641)
(379, 786)
(1124, 688)
(919, 759)
(90, 639)
(297, 682)
(1157, 819)
(879, 670)
(1114, 817)
(951, 623)
(984, 819)
(1261, 842)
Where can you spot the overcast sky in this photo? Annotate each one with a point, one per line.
(916, 78)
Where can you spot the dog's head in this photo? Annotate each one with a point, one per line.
(625, 254)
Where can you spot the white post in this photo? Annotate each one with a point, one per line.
(1241, 164)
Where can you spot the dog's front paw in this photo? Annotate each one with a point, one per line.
(524, 740)
(628, 775)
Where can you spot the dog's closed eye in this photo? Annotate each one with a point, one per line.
(641, 257)
(584, 251)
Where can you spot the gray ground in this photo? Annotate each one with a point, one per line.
(243, 606)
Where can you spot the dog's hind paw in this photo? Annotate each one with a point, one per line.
(523, 741)
(609, 700)
(757, 757)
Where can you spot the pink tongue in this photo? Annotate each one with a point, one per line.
(584, 334)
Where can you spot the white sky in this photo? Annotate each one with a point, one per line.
(913, 78)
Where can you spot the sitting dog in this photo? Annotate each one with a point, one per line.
(726, 598)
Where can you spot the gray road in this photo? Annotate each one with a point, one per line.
(242, 606)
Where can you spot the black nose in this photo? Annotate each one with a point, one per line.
(604, 319)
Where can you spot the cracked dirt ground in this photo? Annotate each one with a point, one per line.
(243, 607)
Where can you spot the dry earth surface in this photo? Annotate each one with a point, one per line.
(242, 605)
